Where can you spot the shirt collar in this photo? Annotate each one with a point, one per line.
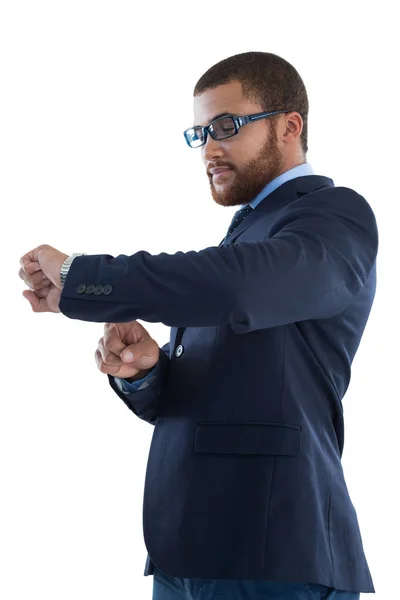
(299, 171)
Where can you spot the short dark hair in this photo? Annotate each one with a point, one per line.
(266, 78)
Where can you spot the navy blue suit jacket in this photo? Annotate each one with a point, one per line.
(244, 476)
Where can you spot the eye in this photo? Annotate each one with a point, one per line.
(224, 126)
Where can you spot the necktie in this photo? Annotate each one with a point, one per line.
(237, 219)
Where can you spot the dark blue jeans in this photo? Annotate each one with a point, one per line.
(166, 587)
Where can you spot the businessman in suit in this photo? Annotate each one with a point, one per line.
(245, 495)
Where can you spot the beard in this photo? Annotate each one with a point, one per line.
(253, 177)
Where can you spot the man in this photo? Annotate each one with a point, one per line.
(245, 495)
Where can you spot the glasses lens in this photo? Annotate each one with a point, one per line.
(194, 137)
(224, 127)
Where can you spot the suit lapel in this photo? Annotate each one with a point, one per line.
(282, 196)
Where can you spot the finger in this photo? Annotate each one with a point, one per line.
(38, 304)
(103, 367)
(143, 354)
(29, 266)
(112, 341)
(108, 357)
(39, 286)
(32, 256)
(43, 293)
(37, 281)
(25, 277)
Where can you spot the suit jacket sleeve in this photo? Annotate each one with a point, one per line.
(311, 265)
(134, 386)
(144, 402)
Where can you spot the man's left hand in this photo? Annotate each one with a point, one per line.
(40, 269)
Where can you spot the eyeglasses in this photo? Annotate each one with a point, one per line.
(223, 127)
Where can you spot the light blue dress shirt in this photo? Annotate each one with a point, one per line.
(299, 171)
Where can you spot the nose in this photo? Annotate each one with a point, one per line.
(211, 149)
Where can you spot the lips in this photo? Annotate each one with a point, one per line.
(220, 170)
(217, 170)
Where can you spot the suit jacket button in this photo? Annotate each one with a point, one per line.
(81, 288)
(178, 351)
(90, 289)
(107, 289)
(98, 290)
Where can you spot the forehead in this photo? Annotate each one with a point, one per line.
(226, 98)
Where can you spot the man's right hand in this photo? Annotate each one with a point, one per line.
(118, 340)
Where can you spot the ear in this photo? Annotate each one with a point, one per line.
(293, 126)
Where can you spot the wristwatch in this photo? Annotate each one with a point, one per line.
(66, 265)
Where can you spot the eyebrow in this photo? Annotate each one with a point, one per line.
(224, 114)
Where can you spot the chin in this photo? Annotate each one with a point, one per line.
(224, 201)
(225, 198)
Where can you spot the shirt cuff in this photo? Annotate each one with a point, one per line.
(129, 387)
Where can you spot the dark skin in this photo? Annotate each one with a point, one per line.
(258, 154)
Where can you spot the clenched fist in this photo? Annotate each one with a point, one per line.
(120, 339)
(40, 269)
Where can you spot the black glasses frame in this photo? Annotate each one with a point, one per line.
(238, 122)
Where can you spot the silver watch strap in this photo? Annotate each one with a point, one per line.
(66, 266)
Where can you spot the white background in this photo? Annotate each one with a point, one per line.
(94, 99)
